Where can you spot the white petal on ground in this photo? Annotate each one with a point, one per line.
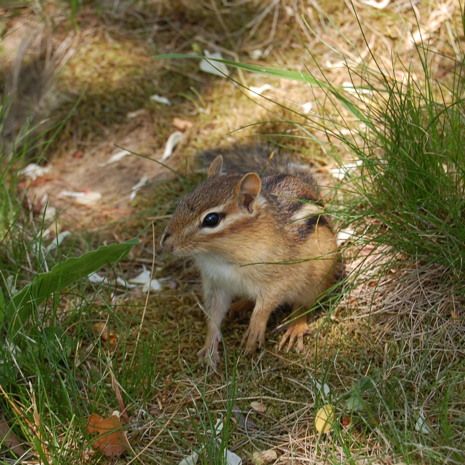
(84, 198)
(160, 99)
(117, 156)
(171, 143)
(259, 90)
(34, 171)
(307, 107)
(49, 213)
(123, 283)
(95, 278)
(349, 87)
(343, 235)
(153, 285)
(256, 54)
(57, 241)
(323, 388)
(218, 426)
(421, 426)
(10, 285)
(381, 5)
(144, 278)
(213, 67)
(138, 186)
(335, 64)
(232, 458)
(341, 172)
(190, 459)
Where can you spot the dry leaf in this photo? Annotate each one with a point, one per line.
(324, 419)
(181, 124)
(171, 143)
(346, 421)
(111, 440)
(119, 398)
(106, 335)
(213, 67)
(264, 457)
(34, 171)
(258, 406)
(9, 439)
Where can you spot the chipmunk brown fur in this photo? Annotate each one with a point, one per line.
(259, 237)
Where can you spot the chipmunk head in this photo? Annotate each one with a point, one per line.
(217, 208)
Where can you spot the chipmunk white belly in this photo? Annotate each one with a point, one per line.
(226, 275)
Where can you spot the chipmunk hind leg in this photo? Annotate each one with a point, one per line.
(294, 335)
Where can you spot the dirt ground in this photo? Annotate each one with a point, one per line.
(103, 72)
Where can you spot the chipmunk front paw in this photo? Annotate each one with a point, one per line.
(294, 335)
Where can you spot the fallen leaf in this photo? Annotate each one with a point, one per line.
(84, 198)
(145, 278)
(119, 398)
(256, 54)
(57, 241)
(171, 143)
(182, 124)
(343, 235)
(421, 426)
(117, 156)
(78, 154)
(111, 440)
(381, 5)
(324, 419)
(190, 459)
(213, 67)
(138, 186)
(344, 170)
(105, 334)
(264, 457)
(33, 171)
(232, 458)
(258, 406)
(160, 99)
(346, 421)
(260, 89)
(322, 388)
(307, 107)
(9, 439)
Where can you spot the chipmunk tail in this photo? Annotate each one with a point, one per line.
(264, 159)
(28, 95)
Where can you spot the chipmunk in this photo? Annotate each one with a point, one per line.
(255, 233)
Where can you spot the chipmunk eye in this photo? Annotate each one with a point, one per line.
(211, 220)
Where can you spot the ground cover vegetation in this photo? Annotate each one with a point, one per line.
(379, 114)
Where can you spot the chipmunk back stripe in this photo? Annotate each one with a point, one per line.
(310, 224)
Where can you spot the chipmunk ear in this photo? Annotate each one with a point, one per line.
(248, 190)
(215, 167)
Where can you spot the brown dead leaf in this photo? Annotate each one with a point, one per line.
(111, 440)
(181, 124)
(9, 439)
(119, 398)
(106, 334)
(259, 407)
